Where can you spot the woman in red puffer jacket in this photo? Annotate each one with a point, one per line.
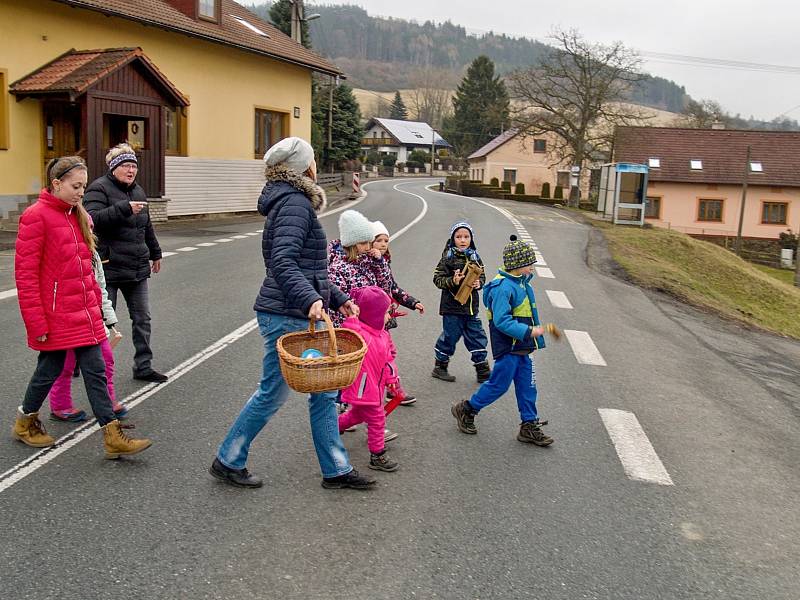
(60, 303)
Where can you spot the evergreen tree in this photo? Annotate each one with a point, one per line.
(347, 131)
(280, 13)
(398, 109)
(480, 108)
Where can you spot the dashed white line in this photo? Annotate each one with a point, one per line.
(166, 254)
(8, 294)
(186, 249)
(636, 453)
(558, 299)
(239, 237)
(206, 244)
(540, 260)
(223, 240)
(252, 233)
(586, 353)
(545, 273)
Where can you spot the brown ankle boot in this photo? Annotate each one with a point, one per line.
(29, 430)
(117, 443)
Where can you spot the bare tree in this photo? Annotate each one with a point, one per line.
(578, 91)
(429, 100)
(701, 115)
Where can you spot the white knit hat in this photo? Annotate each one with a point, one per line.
(379, 228)
(297, 154)
(354, 228)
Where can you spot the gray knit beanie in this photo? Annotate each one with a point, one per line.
(354, 228)
(297, 154)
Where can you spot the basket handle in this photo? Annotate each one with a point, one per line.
(330, 330)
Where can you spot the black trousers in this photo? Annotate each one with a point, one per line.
(93, 367)
(137, 298)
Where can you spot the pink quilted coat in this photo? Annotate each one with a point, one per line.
(56, 288)
(376, 370)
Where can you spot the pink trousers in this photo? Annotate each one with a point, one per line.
(61, 392)
(375, 419)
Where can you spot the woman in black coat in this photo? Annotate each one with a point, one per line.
(128, 247)
(295, 289)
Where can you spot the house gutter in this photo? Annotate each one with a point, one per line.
(206, 38)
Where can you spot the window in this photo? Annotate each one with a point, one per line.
(271, 127)
(696, 164)
(175, 121)
(510, 175)
(773, 213)
(756, 167)
(539, 146)
(652, 209)
(654, 163)
(3, 109)
(207, 9)
(710, 210)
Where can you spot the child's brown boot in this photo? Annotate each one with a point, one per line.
(465, 415)
(117, 443)
(530, 432)
(440, 371)
(29, 430)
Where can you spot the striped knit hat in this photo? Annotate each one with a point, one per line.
(517, 254)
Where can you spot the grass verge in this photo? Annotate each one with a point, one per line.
(706, 276)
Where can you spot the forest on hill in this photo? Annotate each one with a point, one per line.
(387, 54)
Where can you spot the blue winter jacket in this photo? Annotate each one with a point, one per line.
(294, 248)
(511, 310)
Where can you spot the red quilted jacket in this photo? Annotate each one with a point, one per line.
(56, 288)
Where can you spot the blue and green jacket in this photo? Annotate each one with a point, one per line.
(511, 309)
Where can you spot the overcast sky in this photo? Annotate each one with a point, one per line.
(764, 31)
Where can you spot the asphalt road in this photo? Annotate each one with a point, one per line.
(465, 516)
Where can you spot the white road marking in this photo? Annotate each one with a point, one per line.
(419, 217)
(636, 453)
(252, 233)
(558, 299)
(206, 244)
(223, 240)
(186, 249)
(40, 458)
(8, 294)
(539, 259)
(545, 273)
(583, 348)
(239, 237)
(166, 254)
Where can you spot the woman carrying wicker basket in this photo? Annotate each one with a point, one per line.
(295, 289)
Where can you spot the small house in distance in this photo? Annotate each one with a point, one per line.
(696, 176)
(400, 138)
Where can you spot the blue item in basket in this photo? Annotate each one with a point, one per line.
(311, 353)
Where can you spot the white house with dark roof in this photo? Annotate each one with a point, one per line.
(400, 138)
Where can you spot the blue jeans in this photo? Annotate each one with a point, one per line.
(517, 368)
(272, 394)
(456, 326)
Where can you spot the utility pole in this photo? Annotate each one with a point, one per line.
(297, 21)
(737, 247)
(433, 149)
(330, 123)
(797, 261)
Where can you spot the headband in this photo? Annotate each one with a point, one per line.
(122, 158)
(68, 169)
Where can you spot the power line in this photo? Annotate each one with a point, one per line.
(700, 61)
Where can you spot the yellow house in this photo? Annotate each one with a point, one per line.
(521, 159)
(201, 88)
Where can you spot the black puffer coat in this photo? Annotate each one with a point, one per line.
(126, 242)
(294, 247)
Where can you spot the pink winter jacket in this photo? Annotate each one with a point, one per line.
(56, 287)
(376, 371)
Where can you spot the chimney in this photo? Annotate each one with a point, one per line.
(187, 7)
(717, 124)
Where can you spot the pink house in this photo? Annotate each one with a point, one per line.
(696, 175)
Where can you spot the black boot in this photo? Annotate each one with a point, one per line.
(482, 371)
(465, 415)
(235, 477)
(440, 371)
(350, 480)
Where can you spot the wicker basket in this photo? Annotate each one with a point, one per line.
(343, 352)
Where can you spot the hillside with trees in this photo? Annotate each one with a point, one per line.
(388, 54)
